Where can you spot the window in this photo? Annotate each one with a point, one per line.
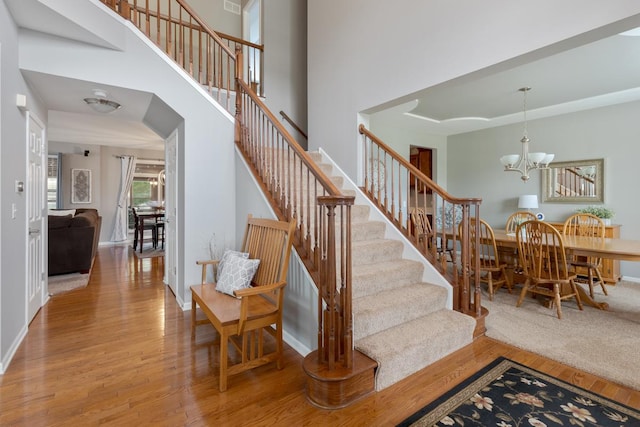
(147, 187)
(53, 181)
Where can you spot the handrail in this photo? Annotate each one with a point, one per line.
(396, 187)
(299, 189)
(288, 119)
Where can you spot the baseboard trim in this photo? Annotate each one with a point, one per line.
(302, 349)
(13, 348)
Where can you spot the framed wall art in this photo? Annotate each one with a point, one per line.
(80, 185)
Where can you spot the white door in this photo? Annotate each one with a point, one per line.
(170, 211)
(36, 205)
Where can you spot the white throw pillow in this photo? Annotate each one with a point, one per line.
(62, 212)
(237, 274)
(225, 256)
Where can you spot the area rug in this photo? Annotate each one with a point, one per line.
(603, 343)
(506, 393)
(66, 282)
(148, 253)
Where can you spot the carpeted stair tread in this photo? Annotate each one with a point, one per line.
(374, 313)
(367, 230)
(399, 321)
(376, 250)
(407, 348)
(368, 279)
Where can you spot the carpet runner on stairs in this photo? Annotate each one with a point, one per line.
(399, 321)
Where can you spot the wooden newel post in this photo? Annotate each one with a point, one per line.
(238, 78)
(335, 336)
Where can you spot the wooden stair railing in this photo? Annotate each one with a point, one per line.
(337, 374)
(395, 186)
(208, 56)
(293, 124)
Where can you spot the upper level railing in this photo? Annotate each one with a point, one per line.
(207, 56)
(427, 215)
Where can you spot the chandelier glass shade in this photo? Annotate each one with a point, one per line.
(526, 161)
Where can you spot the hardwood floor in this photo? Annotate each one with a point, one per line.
(120, 352)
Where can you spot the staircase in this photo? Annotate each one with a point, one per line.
(399, 321)
(370, 297)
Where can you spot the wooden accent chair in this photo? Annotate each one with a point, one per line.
(492, 271)
(241, 320)
(584, 224)
(543, 258)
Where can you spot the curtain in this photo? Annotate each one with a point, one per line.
(120, 224)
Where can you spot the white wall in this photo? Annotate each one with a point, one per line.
(611, 133)
(13, 231)
(213, 13)
(365, 53)
(400, 140)
(285, 61)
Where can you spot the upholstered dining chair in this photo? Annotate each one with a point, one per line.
(492, 270)
(583, 224)
(543, 258)
(140, 227)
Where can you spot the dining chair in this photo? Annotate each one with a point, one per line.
(140, 227)
(517, 218)
(510, 255)
(583, 224)
(421, 227)
(423, 234)
(482, 243)
(543, 258)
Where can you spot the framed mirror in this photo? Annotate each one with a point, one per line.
(580, 181)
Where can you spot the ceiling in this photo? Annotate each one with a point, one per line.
(71, 120)
(602, 73)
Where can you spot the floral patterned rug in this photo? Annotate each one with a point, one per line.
(507, 394)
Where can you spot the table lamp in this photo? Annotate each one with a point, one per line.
(528, 202)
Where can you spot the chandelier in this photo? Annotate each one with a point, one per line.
(526, 161)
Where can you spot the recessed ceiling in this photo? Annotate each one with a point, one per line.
(602, 73)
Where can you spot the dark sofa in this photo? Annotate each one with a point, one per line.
(73, 241)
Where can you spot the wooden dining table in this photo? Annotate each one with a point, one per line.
(613, 248)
